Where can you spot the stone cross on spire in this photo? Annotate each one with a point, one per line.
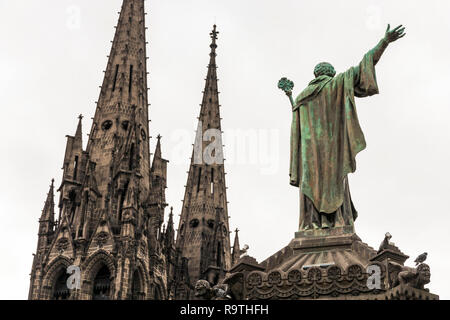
(213, 35)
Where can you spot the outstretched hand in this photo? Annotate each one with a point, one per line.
(395, 34)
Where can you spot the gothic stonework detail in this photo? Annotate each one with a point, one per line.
(112, 197)
(112, 200)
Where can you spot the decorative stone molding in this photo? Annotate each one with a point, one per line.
(101, 238)
(313, 283)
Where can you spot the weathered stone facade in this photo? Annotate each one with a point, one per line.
(112, 199)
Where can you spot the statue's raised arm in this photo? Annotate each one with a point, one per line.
(390, 36)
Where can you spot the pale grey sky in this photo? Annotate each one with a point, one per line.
(53, 53)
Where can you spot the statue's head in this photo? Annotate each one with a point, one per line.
(202, 288)
(324, 68)
(424, 273)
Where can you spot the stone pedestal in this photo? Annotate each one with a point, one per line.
(323, 243)
(339, 246)
(346, 230)
(330, 264)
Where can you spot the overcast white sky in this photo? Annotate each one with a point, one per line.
(53, 53)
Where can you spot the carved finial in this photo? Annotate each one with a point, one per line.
(213, 35)
(80, 117)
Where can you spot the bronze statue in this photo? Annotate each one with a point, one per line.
(326, 137)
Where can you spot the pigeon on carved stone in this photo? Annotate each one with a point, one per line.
(421, 258)
(385, 244)
(244, 251)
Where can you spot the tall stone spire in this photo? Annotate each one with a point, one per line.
(205, 201)
(120, 128)
(109, 223)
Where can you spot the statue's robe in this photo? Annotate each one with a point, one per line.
(325, 139)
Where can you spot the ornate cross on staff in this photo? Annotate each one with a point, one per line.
(287, 85)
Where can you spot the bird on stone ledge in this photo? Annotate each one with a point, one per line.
(421, 258)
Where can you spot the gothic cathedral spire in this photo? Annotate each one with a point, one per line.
(108, 223)
(203, 233)
(120, 128)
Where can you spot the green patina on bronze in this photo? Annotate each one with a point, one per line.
(325, 132)
(326, 135)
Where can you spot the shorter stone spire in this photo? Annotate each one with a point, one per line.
(159, 165)
(158, 147)
(48, 213)
(169, 234)
(236, 249)
(79, 132)
(47, 220)
(73, 155)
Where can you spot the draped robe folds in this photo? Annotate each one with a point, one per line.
(325, 139)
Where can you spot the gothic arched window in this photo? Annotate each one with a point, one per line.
(136, 290)
(157, 293)
(102, 284)
(60, 289)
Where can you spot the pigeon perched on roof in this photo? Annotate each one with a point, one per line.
(421, 258)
